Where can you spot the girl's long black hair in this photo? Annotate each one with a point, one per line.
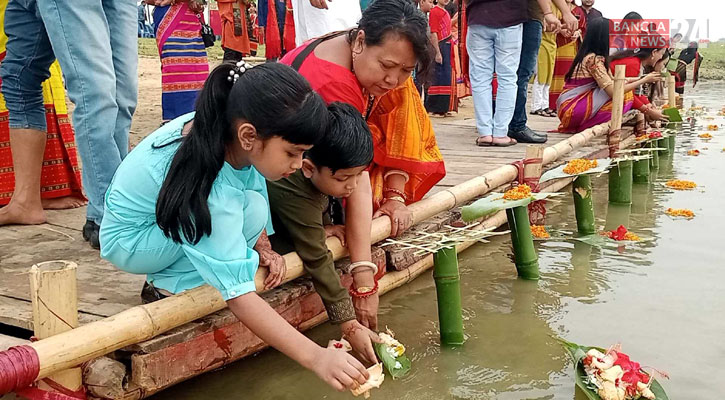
(272, 97)
(596, 41)
(397, 17)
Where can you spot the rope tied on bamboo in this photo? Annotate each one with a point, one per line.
(537, 209)
(19, 367)
(613, 142)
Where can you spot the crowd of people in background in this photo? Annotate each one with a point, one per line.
(334, 129)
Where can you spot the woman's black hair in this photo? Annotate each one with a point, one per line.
(633, 15)
(688, 54)
(272, 97)
(401, 18)
(642, 53)
(596, 41)
(348, 142)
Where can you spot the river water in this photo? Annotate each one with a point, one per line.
(661, 299)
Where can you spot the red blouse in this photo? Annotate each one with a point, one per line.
(332, 81)
(440, 22)
(633, 70)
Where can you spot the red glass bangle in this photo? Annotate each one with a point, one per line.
(355, 293)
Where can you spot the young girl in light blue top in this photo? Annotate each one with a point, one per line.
(188, 205)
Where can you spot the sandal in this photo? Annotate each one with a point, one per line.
(483, 143)
(550, 113)
(539, 112)
(510, 142)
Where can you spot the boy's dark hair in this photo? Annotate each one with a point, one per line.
(347, 143)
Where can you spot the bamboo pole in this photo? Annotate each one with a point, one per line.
(664, 145)
(581, 190)
(671, 143)
(448, 292)
(54, 296)
(620, 183)
(640, 171)
(532, 173)
(525, 257)
(654, 162)
(615, 126)
(671, 99)
(143, 322)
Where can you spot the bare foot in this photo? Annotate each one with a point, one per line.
(63, 203)
(14, 214)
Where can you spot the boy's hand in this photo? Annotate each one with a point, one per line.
(361, 339)
(337, 231)
(276, 265)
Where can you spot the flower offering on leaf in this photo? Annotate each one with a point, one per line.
(712, 127)
(615, 376)
(680, 184)
(579, 165)
(539, 231)
(693, 152)
(655, 135)
(622, 234)
(519, 192)
(680, 212)
(705, 136)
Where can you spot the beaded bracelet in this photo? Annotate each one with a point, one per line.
(361, 295)
(350, 268)
(396, 191)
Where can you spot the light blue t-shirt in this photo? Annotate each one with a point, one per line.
(131, 239)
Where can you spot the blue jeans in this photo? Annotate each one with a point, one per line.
(96, 46)
(489, 50)
(527, 66)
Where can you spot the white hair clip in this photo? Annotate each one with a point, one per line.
(240, 68)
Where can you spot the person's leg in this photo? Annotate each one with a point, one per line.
(25, 67)
(531, 40)
(79, 33)
(479, 42)
(507, 54)
(537, 100)
(124, 49)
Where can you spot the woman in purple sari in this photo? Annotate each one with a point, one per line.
(587, 97)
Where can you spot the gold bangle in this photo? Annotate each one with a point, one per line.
(395, 198)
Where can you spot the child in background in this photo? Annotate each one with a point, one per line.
(299, 205)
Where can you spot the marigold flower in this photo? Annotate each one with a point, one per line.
(539, 231)
(579, 165)
(519, 192)
(680, 184)
(693, 152)
(680, 212)
(712, 127)
(705, 136)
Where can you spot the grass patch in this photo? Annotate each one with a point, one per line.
(713, 65)
(147, 48)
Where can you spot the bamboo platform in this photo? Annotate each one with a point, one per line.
(217, 339)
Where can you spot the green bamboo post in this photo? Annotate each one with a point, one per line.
(640, 171)
(671, 143)
(664, 145)
(654, 162)
(448, 291)
(620, 183)
(583, 207)
(525, 257)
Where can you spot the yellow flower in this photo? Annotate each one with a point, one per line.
(693, 152)
(579, 165)
(705, 136)
(680, 184)
(712, 127)
(519, 192)
(680, 212)
(632, 237)
(539, 231)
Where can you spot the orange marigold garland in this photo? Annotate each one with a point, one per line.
(539, 231)
(680, 184)
(579, 165)
(680, 212)
(519, 192)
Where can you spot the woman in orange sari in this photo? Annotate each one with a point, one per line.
(59, 183)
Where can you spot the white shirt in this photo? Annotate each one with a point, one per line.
(311, 22)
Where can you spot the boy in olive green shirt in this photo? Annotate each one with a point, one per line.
(300, 206)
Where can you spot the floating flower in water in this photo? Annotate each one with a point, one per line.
(579, 165)
(680, 212)
(539, 231)
(519, 192)
(705, 136)
(615, 376)
(622, 234)
(712, 127)
(693, 152)
(680, 184)
(655, 135)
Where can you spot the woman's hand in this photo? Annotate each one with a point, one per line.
(652, 77)
(366, 310)
(361, 339)
(439, 58)
(401, 218)
(276, 265)
(337, 231)
(321, 4)
(339, 369)
(656, 115)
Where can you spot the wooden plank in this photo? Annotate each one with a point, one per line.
(19, 313)
(7, 342)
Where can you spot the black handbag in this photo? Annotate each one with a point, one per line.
(207, 34)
